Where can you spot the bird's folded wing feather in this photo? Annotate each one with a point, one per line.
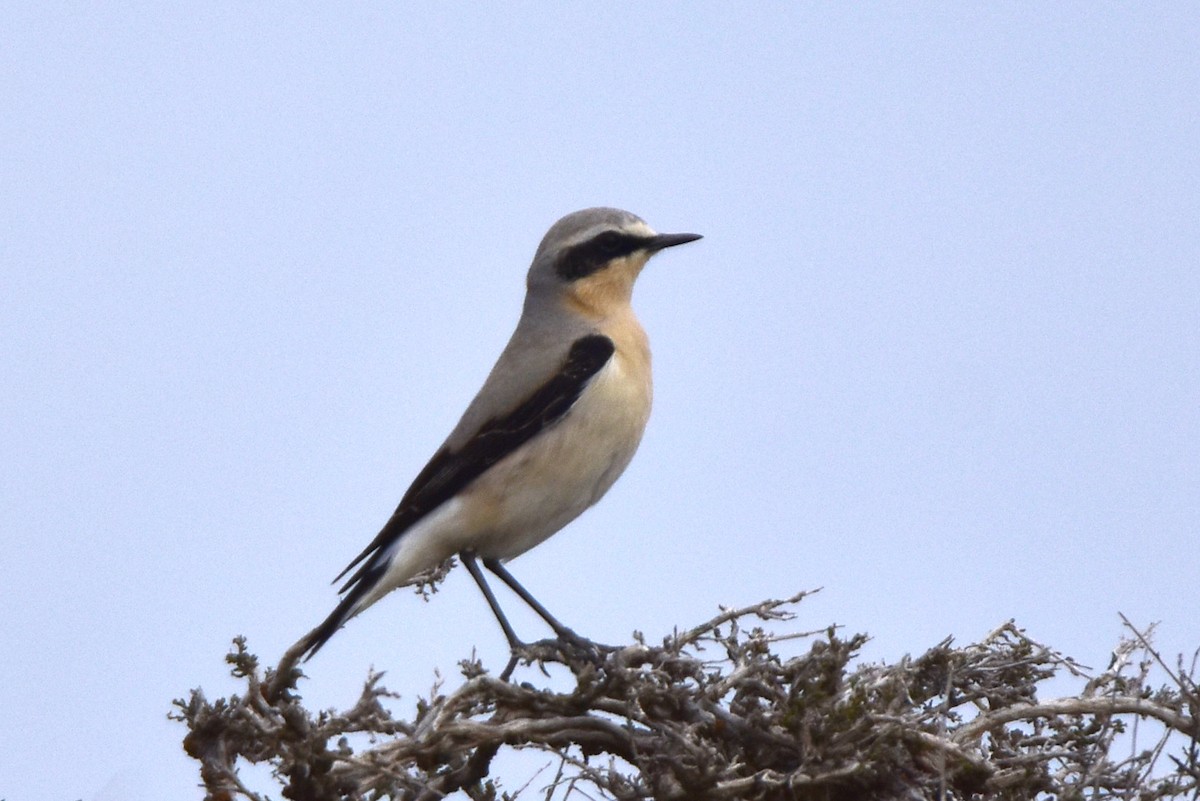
(451, 470)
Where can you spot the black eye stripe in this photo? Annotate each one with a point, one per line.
(587, 257)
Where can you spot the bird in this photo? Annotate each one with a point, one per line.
(557, 421)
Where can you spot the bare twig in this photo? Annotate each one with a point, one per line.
(677, 721)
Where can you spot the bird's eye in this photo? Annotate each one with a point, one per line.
(590, 256)
(608, 243)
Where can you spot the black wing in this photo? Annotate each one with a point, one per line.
(449, 471)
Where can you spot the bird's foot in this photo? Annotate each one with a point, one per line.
(567, 648)
(582, 646)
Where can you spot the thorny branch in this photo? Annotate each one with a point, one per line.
(714, 713)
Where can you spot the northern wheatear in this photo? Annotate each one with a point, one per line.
(555, 424)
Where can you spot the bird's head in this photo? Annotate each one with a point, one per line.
(591, 258)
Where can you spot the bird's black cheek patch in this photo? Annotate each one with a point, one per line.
(588, 257)
(573, 265)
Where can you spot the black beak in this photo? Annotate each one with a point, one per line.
(661, 241)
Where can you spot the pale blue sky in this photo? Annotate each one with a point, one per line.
(939, 351)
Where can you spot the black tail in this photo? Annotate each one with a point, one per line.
(354, 590)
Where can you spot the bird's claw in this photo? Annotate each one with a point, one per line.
(567, 647)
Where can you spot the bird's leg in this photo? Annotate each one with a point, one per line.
(468, 559)
(560, 630)
(592, 651)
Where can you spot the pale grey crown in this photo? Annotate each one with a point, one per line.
(582, 225)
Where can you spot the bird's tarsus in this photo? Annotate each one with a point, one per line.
(567, 645)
